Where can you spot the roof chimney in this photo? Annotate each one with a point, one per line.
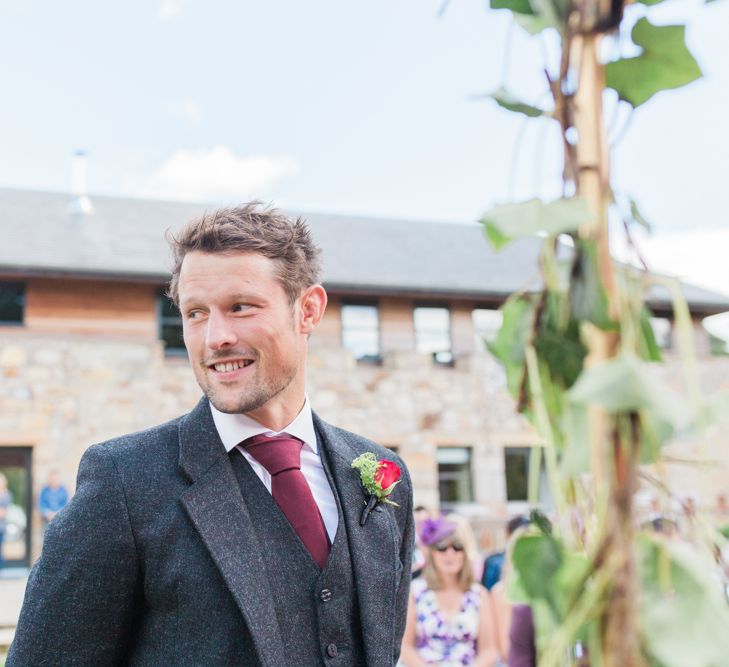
(80, 203)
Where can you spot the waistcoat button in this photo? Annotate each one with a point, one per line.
(325, 595)
(332, 650)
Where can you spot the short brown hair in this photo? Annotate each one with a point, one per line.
(252, 228)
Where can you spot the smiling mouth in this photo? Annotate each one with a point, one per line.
(229, 366)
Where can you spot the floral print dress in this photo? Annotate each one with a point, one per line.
(448, 644)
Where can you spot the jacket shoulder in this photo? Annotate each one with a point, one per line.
(358, 444)
(142, 443)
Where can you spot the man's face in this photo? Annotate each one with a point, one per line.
(246, 342)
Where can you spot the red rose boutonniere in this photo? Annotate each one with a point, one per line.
(379, 478)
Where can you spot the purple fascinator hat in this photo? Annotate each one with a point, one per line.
(433, 531)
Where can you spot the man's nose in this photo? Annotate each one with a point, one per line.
(220, 333)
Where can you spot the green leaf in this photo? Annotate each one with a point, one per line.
(535, 15)
(511, 221)
(665, 63)
(497, 239)
(636, 216)
(532, 24)
(576, 453)
(626, 384)
(684, 614)
(563, 353)
(505, 99)
(510, 343)
(655, 430)
(647, 346)
(517, 6)
(536, 559)
(552, 12)
(587, 294)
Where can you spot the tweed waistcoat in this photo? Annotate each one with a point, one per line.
(317, 611)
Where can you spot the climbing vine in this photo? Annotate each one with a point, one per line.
(579, 357)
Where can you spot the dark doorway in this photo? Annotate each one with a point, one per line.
(15, 464)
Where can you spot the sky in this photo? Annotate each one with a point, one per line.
(369, 108)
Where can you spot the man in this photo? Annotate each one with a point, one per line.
(494, 562)
(201, 541)
(52, 499)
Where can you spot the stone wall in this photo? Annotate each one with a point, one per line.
(59, 393)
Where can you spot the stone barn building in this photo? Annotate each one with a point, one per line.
(90, 347)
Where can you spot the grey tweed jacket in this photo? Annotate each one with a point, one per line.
(155, 561)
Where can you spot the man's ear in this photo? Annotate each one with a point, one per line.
(313, 304)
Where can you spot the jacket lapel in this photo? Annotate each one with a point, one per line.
(216, 509)
(373, 548)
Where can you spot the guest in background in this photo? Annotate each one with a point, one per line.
(522, 651)
(420, 515)
(494, 563)
(449, 615)
(6, 499)
(53, 498)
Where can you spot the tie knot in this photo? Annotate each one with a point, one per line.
(275, 453)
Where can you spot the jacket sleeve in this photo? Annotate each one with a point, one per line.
(406, 558)
(82, 593)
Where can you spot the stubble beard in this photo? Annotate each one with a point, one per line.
(250, 398)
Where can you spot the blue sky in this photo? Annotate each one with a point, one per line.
(334, 105)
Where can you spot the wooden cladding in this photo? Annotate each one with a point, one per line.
(87, 306)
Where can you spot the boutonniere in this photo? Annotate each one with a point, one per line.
(379, 478)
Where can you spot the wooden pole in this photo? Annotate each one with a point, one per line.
(614, 445)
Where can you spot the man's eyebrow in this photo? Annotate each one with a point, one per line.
(194, 300)
(186, 302)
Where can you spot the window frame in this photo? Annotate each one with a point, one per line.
(434, 355)
(168, 320)
(525, 451)
(374, 360)
(456, 476)
(479, 336)
(22, 299)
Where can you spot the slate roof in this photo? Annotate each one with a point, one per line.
(125, 237)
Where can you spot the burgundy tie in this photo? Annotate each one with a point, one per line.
(281, 456)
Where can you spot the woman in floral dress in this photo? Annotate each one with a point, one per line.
(449, 616)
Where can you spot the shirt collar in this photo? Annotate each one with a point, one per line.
(235, 428)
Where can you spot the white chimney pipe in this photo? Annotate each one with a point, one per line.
(80, 203)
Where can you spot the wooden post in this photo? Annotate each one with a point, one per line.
(614, 447)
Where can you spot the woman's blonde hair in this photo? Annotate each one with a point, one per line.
(464, 535)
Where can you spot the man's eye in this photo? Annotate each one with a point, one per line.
(240, 307)
(193, 314)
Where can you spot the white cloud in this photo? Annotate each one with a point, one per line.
(217, 174)
(170, 9)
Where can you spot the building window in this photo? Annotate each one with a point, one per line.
(361, 331)
(486, 324)
(433, 333)
(516, 470)
(12, 302)
(170, 326)
(15, 465)
(662, 331)
(454, 476)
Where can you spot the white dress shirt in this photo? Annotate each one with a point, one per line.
(235, 428)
